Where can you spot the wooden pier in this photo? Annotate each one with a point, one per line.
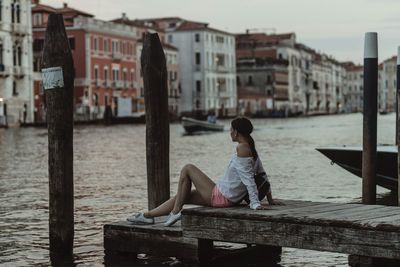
(363, 230)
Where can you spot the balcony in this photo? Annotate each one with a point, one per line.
(18, 71)
(117, 84)
(224, 94)
(117, 55)
(81, 82)
(223, 69)
(21, 29)
(5, 71)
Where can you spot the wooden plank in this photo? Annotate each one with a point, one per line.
(325, 238)
(150, 239)
(385, 222)
(346, 214)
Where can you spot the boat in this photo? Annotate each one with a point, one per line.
(350, 158)
(191, 125)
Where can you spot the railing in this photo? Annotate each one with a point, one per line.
(117, 55)
(222, 68)
(117, 84)
(18, 71)
(5, 70)
(20, 28)
(81, 82)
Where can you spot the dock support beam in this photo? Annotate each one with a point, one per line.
(58, 84)
(154, 70)
(370, 117)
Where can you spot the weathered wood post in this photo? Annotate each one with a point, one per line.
(157, 125)
(58, 84)
(370, 117)
(397, 121)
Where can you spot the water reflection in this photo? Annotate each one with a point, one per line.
(110, 179)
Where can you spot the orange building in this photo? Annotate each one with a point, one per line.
(105, 61)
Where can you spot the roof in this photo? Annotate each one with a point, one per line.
(263, 38)
(63, 10)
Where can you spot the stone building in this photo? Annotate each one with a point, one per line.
(16, 99)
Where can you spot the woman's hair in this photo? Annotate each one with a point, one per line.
(243, 126)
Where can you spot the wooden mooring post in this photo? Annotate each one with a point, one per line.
(58, 84)
(370, 117)
(157, 125)
(397, 121)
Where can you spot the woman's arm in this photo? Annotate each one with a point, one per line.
(244, 167)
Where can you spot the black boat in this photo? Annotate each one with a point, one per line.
(192, 125)
(350, 158)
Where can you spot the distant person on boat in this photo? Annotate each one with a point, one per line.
(237, 182)
(211, 117)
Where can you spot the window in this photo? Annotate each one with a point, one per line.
(12, 13)
(105, 74)
(18, 13)
(96, 73)
(220, 58)
(269, 80)
(19, 55)
(250, 80)
(1, 53)
(220, 39)
(115, 74)
(197, 37)
(198, 86)
(1, 11)
(37, 19)
(170, 39)
(15, 92)
(197, 58)
(95, 44)
(238, 80)
(105, 46)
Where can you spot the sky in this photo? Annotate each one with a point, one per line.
(334, 27)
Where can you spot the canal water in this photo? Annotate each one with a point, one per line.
(110, 178)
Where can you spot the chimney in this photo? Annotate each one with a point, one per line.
(124, 17)
(247, 31)
(65, 5)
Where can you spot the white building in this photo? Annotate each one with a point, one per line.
(16, 62)
(387, 85)
(299, 59)
(206, 63)
(353, 94)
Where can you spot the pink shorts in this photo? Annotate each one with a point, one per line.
(218, 200)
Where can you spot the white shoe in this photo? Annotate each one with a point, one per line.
(138, 218)
(172, 218)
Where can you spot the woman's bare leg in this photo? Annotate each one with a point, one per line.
(204, 186)
(166, 207)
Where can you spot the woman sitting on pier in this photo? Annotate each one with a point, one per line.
(230, 190)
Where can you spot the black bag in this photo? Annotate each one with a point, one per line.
(263, 186)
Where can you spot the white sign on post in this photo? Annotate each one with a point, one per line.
(52, 78)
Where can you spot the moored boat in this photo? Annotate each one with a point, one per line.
(350, 158)
(191, 125)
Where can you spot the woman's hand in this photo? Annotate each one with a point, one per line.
(276, 202)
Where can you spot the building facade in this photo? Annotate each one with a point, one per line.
(207, 65)
(171, 58)
(353, 95)
(387, 92)
(16, 99)
(105, 59)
